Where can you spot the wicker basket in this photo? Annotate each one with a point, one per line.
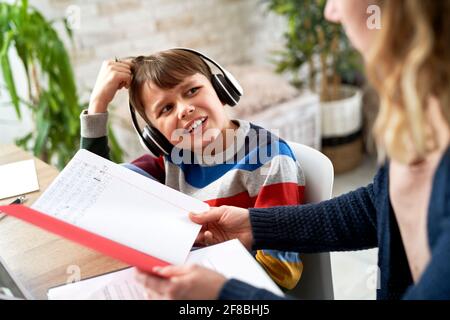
(345, 157)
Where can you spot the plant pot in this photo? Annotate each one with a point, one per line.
(342, 130)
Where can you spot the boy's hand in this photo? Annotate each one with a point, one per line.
(113, 76)
(182, 283)
(222, 224)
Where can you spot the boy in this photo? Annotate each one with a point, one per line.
(215, 159)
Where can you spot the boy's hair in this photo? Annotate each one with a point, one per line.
(166, 69)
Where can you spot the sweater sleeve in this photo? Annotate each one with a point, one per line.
(344, 223)
(347, 222)
(94, 133)
(238, 290)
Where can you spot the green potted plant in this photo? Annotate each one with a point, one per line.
(330, 61)
(52, 94)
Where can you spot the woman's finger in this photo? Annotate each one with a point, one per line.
(212, 215)
(171, 271)
(140, 276)
(200, 240)
(155, 284)
(209, 238)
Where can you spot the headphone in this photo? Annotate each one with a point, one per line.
(227, 88)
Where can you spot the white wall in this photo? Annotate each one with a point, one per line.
(10, 126)
(231, 31)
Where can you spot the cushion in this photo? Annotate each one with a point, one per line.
(262, 88)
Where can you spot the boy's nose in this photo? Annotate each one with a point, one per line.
(185, 110)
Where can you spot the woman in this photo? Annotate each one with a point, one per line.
(405, 211)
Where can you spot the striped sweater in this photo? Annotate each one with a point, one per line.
(258, 171)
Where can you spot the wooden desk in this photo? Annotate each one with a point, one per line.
(39, 259)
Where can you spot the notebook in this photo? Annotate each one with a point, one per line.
(117, 212)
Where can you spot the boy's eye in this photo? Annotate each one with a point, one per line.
(192, 91)
(166, 109)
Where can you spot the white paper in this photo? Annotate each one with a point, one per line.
(230, 259)
(234, 261)
(119, 285)
(18, 178)
(109, 200)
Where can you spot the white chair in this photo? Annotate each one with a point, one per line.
(316, 281)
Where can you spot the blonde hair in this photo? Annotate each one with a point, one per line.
(166, 69)
(408, 65)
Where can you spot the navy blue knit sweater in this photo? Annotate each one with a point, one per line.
(360, 220)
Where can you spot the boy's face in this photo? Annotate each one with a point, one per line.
(189, 115)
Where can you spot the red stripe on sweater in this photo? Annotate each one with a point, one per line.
(279, 194)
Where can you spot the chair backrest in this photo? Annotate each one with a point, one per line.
(316, 282)
(318, 170)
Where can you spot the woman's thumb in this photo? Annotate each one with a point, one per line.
(212, 215)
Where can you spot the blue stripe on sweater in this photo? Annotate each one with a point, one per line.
(200, 176)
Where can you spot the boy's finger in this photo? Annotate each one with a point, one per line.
(122, 77)
(121, 69)
(127, 62)
(123, 66)
(125, 83)
(128, 83)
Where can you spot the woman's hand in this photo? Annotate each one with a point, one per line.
(224, 223)
(182, 283)
(113, 76)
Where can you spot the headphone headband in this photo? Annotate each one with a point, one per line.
(227, 74)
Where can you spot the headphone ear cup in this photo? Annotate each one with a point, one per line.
(224, 90)
(156, 142)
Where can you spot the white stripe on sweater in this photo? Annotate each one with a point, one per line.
(281, 169)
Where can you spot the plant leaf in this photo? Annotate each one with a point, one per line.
(7, 72)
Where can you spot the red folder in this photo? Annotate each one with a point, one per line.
(69, 231)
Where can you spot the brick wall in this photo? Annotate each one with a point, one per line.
(231, 31)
